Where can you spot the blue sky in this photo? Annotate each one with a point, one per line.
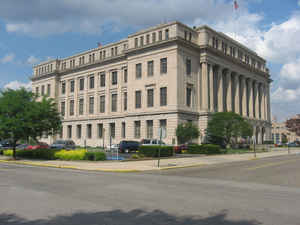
(32, 31)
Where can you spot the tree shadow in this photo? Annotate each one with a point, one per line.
(118, 217)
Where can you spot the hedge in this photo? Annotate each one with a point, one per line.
(52, 154)
(208, 149)
(152, 151)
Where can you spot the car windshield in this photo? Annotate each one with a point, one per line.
(59, 142)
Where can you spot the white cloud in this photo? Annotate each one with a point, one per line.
(299, 2)
(7, 58)
(17, 85)
(32, 60)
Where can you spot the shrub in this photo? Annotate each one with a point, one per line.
(8, 152)
(71, 155)
(208, 149)
(95, 156)
(152, 151)
(33, 154)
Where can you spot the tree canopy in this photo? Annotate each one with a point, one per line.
(23, 117)
(226, 126)
(186, 132)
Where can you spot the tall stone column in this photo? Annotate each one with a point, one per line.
(220, 90)
(211, 87)
(236, 94)
(205, 86)
(244, 96)
(264, 102)
(225, 89)
(259, 101)
(215, 85)
(256, 106)
(250, 97)
(268, 104)
(229, 91)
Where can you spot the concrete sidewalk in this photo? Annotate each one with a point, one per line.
(147, 165)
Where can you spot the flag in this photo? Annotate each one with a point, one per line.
(99, 44)
(236, 6)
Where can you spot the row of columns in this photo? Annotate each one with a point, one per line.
(225, 90)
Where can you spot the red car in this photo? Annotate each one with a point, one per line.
(40, 145)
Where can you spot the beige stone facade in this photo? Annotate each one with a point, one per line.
(279, 130)
(158, 77)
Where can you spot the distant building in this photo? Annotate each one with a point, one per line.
(279, 131)
(158, 77)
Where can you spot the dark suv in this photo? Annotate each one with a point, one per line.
(63, 144)
(128, 146)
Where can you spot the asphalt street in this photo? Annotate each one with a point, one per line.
(263, 191)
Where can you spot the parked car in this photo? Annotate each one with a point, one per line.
(292, 144)
(178, 149)
(152, 142)
(63, 144)
(22, 146)
(112, 148)
(128, 146)
(40, 145)
(5, 144)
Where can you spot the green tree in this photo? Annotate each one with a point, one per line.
(23, 117)
(186, 132)
(227, 126)
(284, 139)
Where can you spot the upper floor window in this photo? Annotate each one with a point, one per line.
(43, 90)
(188, 96)
(62, 108)
(116, 50)
(147, 38)
(163, 65)
(102, 103)
(72, 86)
(125, 101)
(138, 69)
(63, 88)
(91, 105)
(92, 82)
(153, 37)
(112, 51)
(188, 66)
(190, 36)
(114, 77)
(224, 47)
(81, 84)
(125, 75)
(142, 40)
(136, 42)
(114, 99)
(163, 96)
(160, 35)
(102, 79)
(138, 99)
(72, 107)
(137, 129)
(81, 106)
(150, 97)
(150, 68)
(48, 89)
(167, 34)
(215, 43)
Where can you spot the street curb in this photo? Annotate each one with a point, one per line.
(68, 167)
(179, 167)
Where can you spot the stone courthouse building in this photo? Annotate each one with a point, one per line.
(157, 77)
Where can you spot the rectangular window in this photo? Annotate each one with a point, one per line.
(48, 89)
(125, 75)
(81, 84)
(81, 101)
(114, 98)
(43, 90)
(100, 130)
(167, 34)
(112, 130)
(37, 90)
(138, 99)
(160, 35)
(102, 79)
(102, 104)
(185, 35)
(142, 40)
(163, 96)
(163, 65)
(163, 125)
(137, 129)
(114, 78)
(188, 96)
(89, 131)
(125, 101)
(104, 54)
(153, 37)
(147, 39)
(72, 86)
(150, 68)
(123, 130)
(188, 66)
(63, 88)
(150, 97)
(136, 42)
(70, 131)
(91, 105)
(71, 107)
(112, 51)
(62, 108)
(138, 71)
(79, 131)
(116, 50)
(92, 82)
(149, 128)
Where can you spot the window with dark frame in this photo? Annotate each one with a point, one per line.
(163, 65)
(138, 69)
(72, 107)
(100, 130)
(89, 131)
(123, 134)
(72, 86)
(114, 102)
(150, 97)
(137, 129)
(63, 88)
(102, 103)
(188, 66)
(48, 89)
(114, 79)
(91, 105)
(81, 84)
(92, 82)
(81, 101)
(150, 68)
(69, 131)
(149, 128)
(188, 96)
(167, 34)
(138, 99)
(112, 128)
(163, 96)
(125, 101)
(63, 108)
(79, 131)
(125, 75)
(102, 79)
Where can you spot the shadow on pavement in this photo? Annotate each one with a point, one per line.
(118, 217)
